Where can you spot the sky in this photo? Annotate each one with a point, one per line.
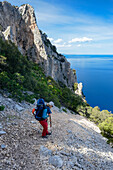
(75, 26)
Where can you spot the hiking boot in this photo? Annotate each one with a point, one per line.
(48, 134)
(44, 137)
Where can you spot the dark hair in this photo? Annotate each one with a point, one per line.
(41, 97)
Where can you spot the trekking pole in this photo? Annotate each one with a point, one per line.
(50, 123)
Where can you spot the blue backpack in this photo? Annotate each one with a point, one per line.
(41, 110)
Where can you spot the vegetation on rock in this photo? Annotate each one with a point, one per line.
(2, 107)
(104, 119)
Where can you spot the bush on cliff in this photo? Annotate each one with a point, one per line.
(103, 119)
(107, 126)
(99, 116)
(2, 107)
(71, 100)
(107, 129)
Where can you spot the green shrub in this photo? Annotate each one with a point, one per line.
(2, 107)
(2, 60)
(95, 115)
(75, 86)
(74, 71)
(98, 116)
(64, 110)
(70, 100)
(107, 126)
(4, 79)
(30, 98)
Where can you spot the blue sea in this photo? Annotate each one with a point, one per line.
(96, 74)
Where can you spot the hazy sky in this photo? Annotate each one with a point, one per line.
(75, 26)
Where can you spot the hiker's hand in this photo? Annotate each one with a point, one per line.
(49, 115)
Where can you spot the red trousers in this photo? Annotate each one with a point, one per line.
(45, 127)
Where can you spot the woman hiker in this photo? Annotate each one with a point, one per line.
(44, 122)
(42, 113)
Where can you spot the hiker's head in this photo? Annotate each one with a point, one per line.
(50, 104)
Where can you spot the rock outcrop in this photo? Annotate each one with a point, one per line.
(19, 25)
(79, 89)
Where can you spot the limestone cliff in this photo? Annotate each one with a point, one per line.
(19, 25)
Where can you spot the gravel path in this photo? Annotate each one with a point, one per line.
(75, 142)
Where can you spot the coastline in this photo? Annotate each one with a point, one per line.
(93, 71)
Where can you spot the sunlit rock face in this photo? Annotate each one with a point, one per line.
(19, 25)
(79, 89)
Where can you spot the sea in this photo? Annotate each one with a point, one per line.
(96, 74)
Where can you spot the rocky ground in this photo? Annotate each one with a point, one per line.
(75, 143)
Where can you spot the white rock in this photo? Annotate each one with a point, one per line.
(33, 122)
(69, 131)
(79, 90)
(56, 161)
(45, 151)
(19, 108)
(2, 132)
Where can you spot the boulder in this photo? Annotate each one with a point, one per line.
(56, 161)
(2, 132)
(45, 151)
(19, 108)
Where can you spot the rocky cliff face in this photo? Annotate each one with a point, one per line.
(18, 24)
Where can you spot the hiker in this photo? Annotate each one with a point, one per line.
(42, 112)
(44, 122)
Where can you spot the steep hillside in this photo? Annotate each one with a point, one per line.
(75, 142)
(19, 25)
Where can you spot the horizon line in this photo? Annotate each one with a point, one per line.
(87, 54)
